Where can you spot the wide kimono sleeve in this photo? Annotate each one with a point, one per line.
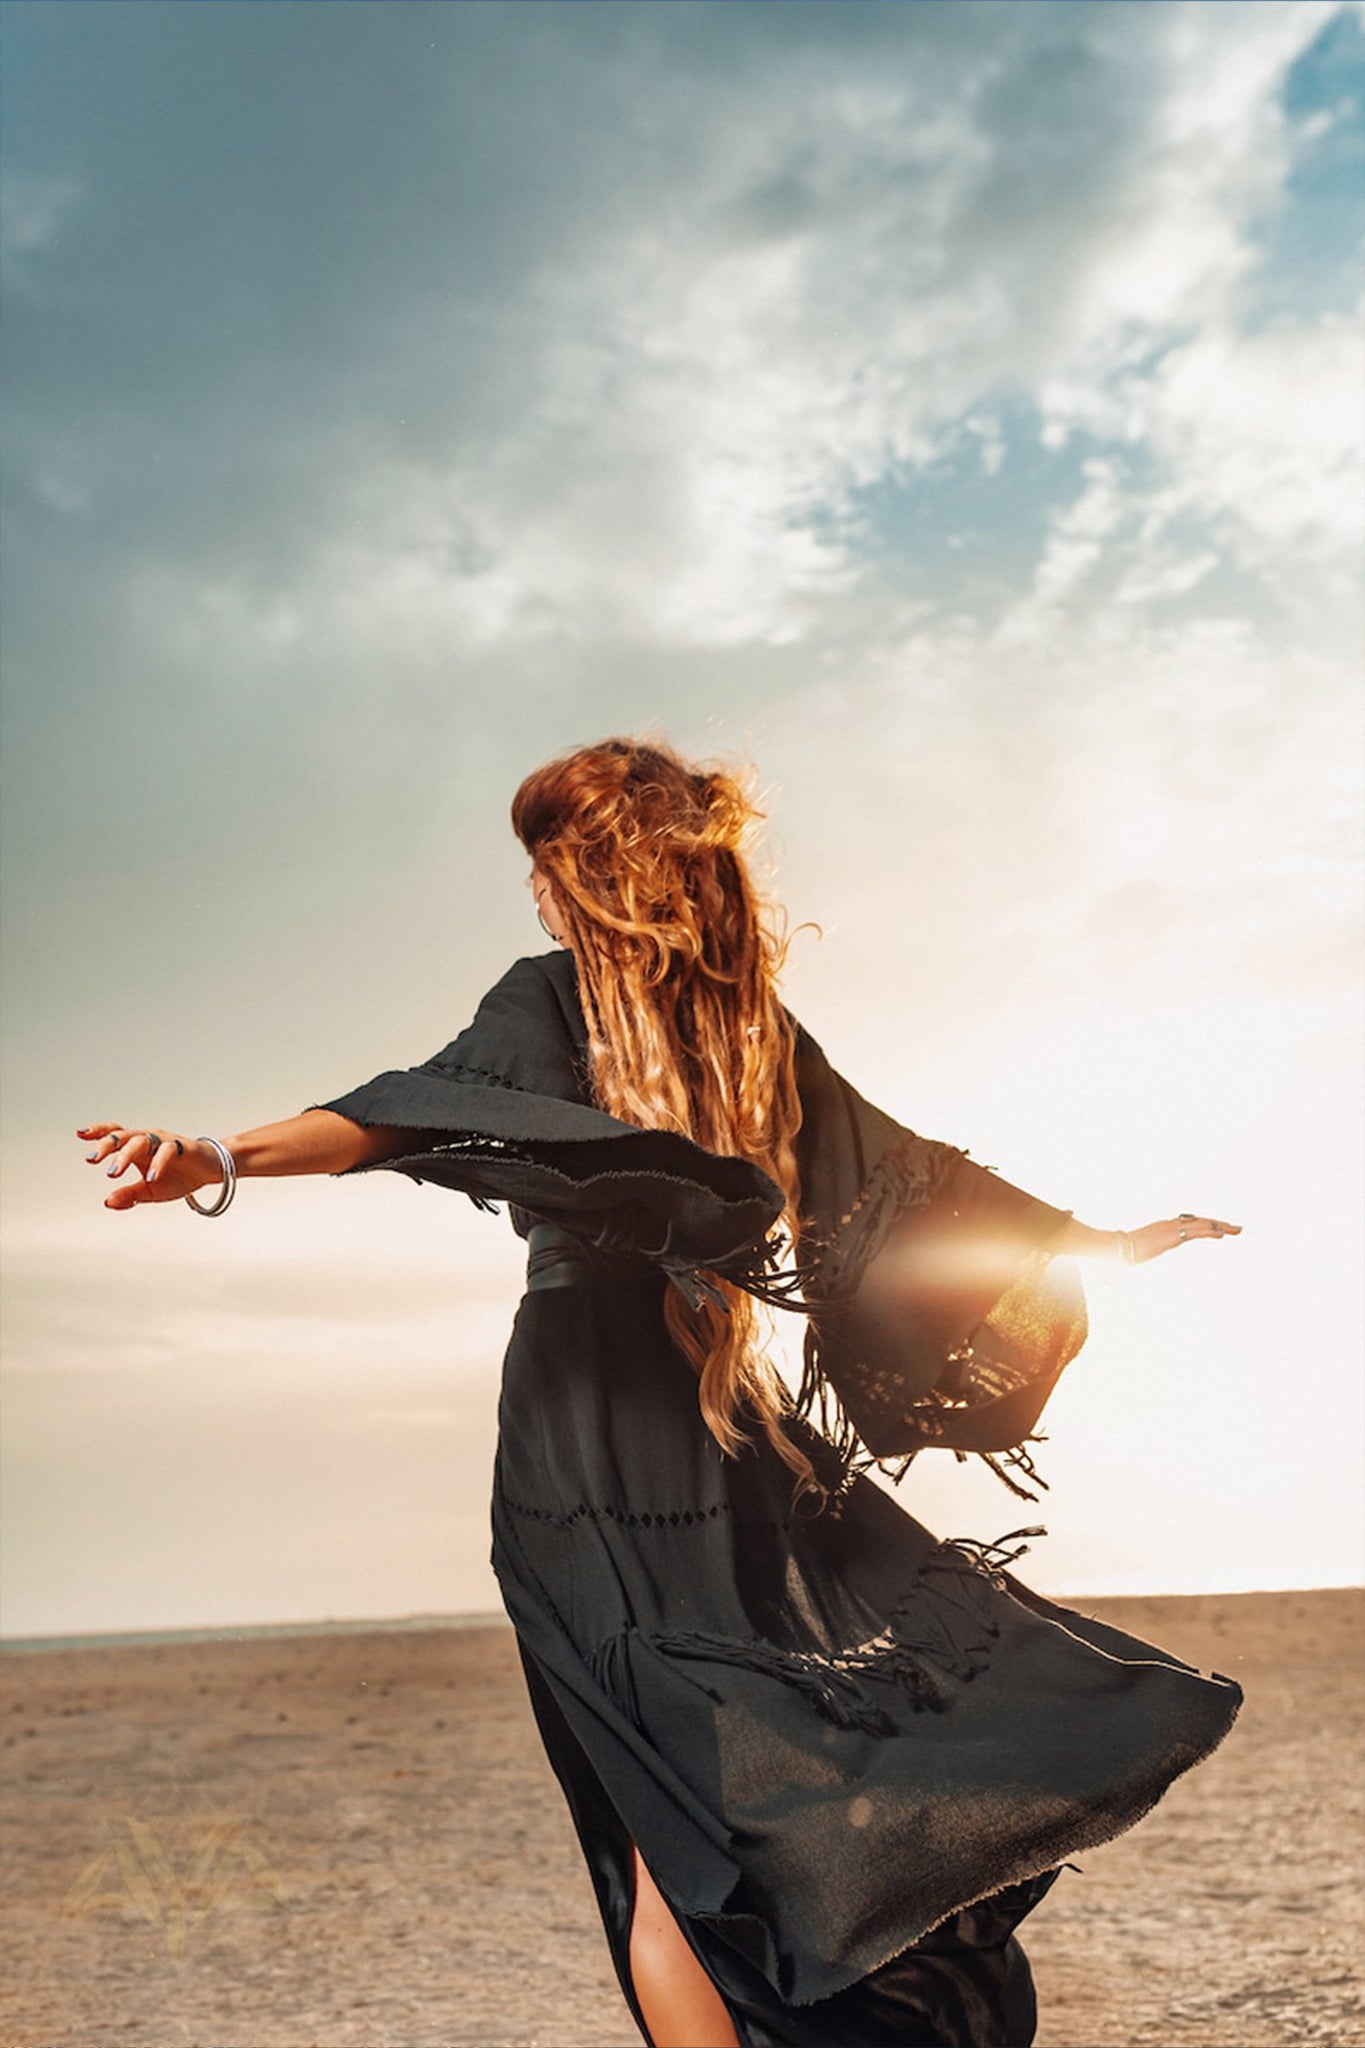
(501, 1115)
(937, 1314)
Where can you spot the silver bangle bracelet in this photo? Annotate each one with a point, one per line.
(227, 1190)
(1127, 1249)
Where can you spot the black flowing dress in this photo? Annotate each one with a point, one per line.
(852, 1755)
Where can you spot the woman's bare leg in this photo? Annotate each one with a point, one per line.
(682, 2007)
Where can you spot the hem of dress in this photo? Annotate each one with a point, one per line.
(1076, 1841)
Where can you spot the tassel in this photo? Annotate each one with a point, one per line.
(827, 1683)
(943, 1627)
(758, 1270)
(818, 1402)
(1018, 1457)
(694, 1286)
(906, 1177)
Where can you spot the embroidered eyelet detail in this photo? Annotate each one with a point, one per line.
(678, 1518)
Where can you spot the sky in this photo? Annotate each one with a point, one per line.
(954, 411)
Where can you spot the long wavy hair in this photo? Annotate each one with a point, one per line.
(677, 959)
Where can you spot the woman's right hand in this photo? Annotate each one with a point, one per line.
(170, 1166)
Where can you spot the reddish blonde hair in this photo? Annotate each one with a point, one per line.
(677, 961)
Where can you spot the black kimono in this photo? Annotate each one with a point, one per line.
(851, 1755)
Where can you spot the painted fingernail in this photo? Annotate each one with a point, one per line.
(93, 1157)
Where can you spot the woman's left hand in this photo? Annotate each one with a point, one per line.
(1152, 1239)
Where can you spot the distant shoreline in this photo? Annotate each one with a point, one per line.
(249, 1632)
(414, 1624)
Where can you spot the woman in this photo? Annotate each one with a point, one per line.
(820, 1764)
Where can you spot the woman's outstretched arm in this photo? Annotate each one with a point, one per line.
(1149, 1241)
(172, 1166)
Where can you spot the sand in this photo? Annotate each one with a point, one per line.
(326, 1840)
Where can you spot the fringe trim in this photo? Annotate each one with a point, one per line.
(759, 1271)
(909, 1176)
(818, 1402)
(1017, 1458)
(828, 1683)
(906, 1177)
(942, 1629)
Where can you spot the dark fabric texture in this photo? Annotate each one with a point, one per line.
(851, 1754)
(504, 1117)
(937, 1316)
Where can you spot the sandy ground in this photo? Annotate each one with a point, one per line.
(352, 1841)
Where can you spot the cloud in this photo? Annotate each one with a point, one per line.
(1079, 532)
(33, 206)
(589, 383)
(1252, 441)
(405, 399)
(1264, 435)
(635, 380)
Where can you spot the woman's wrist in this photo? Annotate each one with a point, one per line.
(1081, 1241)
(207, 1161)
(227, 1178)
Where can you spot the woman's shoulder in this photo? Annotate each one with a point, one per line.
(539, 991)
(555, 971)
(528, 1032)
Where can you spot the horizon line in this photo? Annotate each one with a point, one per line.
(410, 1624)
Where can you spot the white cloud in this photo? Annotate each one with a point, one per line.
(823, 299)
(1080, 531)
(825, 259)
(1162, 574)
(1265, 433)
(33, 209)
(1255, 446)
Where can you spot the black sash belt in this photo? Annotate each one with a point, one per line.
(555, 1258)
